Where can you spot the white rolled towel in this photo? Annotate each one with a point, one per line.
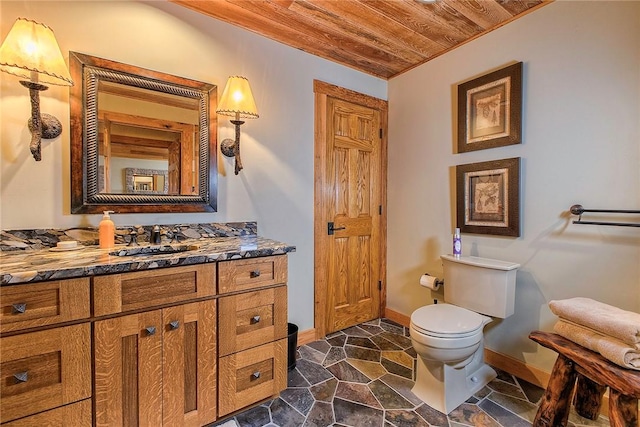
(603, 318)
(610, 348)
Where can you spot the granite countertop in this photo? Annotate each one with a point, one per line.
(31, 266)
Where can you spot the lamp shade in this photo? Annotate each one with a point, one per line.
(31, 52)
(237, 99)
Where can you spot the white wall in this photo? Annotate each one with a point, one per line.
(581, 144)
(276, 186)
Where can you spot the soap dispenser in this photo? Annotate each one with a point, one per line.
(107, 231)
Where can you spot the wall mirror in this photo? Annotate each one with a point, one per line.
(141, 140)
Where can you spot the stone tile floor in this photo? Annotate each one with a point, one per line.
(363, 375)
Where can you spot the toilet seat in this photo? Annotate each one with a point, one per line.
(447, 321)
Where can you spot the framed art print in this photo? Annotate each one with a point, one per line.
(490, 110)
(488, 197)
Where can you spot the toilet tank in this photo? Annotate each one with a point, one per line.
(483, 285)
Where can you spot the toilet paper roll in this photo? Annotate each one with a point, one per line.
(430, 282)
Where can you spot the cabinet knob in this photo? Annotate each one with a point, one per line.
(21, 377)
(255, 273)
(255, 375)
(19, 308)
(151, 330)
(173, 325)
(255, 319)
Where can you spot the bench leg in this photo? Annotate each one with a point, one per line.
(588, 397)
(623, 410)
(556, 402)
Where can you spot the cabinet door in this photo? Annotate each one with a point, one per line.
(157, 368)
(128, 370)
(189, 364)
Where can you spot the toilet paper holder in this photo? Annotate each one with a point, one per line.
(431, 282)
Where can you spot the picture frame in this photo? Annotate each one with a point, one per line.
(488, 197)
(146, 181)
(490, 110)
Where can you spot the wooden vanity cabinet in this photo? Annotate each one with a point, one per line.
(158, 366)
(177, 346)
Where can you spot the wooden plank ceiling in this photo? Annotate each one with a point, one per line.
(379, 37)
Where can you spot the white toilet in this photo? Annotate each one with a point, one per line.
(449, 337)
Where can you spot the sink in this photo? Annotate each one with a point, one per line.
(153, 250)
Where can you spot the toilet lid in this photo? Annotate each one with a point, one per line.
(446, 319)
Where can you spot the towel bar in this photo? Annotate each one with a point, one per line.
(579, 210)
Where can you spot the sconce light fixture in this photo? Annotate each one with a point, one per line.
(236, 101)
(31, 52)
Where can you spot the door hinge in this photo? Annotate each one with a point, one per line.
(379, 285)
(380, 133)
(380, 209)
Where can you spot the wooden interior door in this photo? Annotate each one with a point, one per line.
(349, 206)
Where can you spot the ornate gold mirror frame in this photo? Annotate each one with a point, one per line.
(195, 183)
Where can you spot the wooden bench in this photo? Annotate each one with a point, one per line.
(588, 374)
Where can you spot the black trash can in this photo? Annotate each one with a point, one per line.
(293, 345)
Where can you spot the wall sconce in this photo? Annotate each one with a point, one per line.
(236, 101)
(31, 52)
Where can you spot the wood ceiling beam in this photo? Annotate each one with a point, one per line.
(150, 96)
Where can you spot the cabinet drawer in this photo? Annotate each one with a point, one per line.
(245, 274)
(31, 305)
(252, 318)
(44, 370)
(124, 292)
(75, 415)
(252, 375)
